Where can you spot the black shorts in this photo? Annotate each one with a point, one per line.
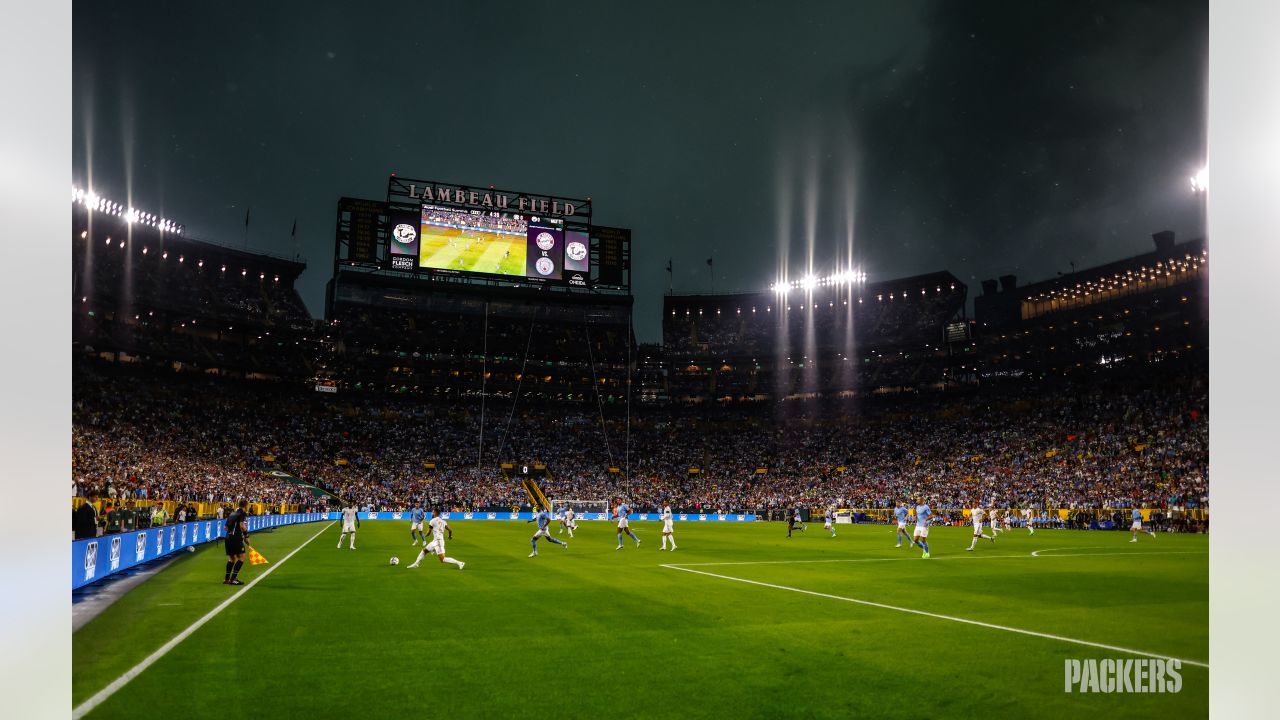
(235, 546)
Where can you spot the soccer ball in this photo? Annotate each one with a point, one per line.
(395, 561)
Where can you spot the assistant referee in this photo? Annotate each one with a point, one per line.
(237, 527)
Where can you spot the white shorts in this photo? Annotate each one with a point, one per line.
(622, 524)
(977, 528)
(348, 527)
(435, 546)
(1137, 525)
(572, 524)
(902, 524)
(415, 526)
(668, 526)
(542, 532)
(921, 531)
(827, 523)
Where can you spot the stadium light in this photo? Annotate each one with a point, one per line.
(1200, 181)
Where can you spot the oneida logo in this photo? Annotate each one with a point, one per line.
(1143, 675)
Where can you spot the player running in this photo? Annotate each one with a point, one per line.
(830, 524)
(569, 521)
(416, 517)
(620, 513)
(900, 512)
(977, 529)
(1028, 515)
(668, 530)
(439, 527)
(544, 531)
(350, 523)
(921, 538)
(793, 521)
(1137, 526)
(993, 520)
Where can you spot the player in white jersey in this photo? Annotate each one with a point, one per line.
(977, 529)
(993, 520)
(668, 529)
(1028, 515)
(830, 524)
(439, 528)
(569, 521)
(350, 523)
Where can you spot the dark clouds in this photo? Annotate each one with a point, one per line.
(978, 137)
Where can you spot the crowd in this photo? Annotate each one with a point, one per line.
(192, 438)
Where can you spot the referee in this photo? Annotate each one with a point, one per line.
(237, 527)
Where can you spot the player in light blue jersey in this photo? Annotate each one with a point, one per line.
(621, 513)
(1137, 526)
(417, 516)
(544, 531)
(923, 515)
(900, 512)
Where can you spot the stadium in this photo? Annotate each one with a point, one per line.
(751, 490)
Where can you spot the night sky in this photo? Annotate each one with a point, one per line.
(982, 138)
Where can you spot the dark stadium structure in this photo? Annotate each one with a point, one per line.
(888, 335)
(1138, 315)
(145, 295)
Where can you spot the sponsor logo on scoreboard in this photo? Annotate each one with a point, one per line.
(115, 553)
(140, 547)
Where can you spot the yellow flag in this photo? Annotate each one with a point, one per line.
(255, 557)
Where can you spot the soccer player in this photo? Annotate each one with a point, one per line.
(993, 520)
(1137, 526)
(977, 529)
(921, 537)
(793, 521)
(621, 513)
(830, 524)
(570, 521)
(544, 531)
(237, 527)
(900, 512)
(1028, 515)
(439, 526)
(668, 531)
(416, 518)
(350, 523)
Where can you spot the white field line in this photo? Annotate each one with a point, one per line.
(965, 621)
(947, 557)
(136, 670)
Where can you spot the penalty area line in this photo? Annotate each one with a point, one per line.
(951, 618)
(102, 695)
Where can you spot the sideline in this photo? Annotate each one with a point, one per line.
(102, 695)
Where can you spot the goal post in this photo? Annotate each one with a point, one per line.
(584, 509)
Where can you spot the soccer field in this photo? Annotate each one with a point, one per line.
(472, 251)
(739, 622)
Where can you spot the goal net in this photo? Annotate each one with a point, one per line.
(584, 509)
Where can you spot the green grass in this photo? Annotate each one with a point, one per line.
(336, 632)
(475, 251)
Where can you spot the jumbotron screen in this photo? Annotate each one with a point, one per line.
(495, 243)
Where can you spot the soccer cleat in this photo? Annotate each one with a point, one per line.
(661, 549)
(413, 566)
(353, 547)
(234, 581)
(618, 548)
(898, 545)
(564, 546)
(992, 539)
(673, 548)
(637, 543)
(925, 556)
(1134, 540)
(970, 548)
(461, 564)
(533, 554)
(226, 581)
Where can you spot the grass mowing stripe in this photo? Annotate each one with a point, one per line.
(953, 557)
(966, 621)
(133, 672)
